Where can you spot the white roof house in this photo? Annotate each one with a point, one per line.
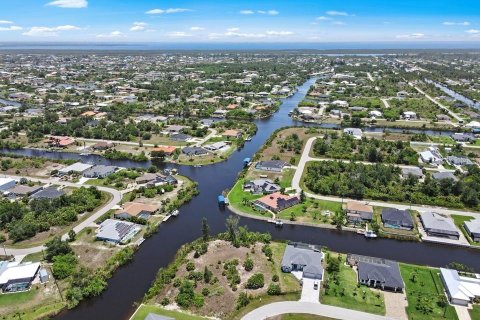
(11, 273)
(355, 132)
(6, 183)
(460, 290)
(76, 167)
(428, 156)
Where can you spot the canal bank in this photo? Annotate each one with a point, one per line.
(130, 282)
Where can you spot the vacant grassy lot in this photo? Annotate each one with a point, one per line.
(311, 211)
(425, 294)
(475, 312)
(340, 289)
(144, 310)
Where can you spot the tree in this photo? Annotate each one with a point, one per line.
(248, 264)
(232, 228)
(302, 196)
(56, 247)
(256, 281)
(243, 300)
(72, 235)
(205, 230)
(64, 265)
(274, 289)
(207, 275)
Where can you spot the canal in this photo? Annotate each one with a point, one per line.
(130, 282)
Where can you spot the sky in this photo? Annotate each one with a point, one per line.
(246, 21)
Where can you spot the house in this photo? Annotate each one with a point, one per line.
(402, 94)
(431, 156)
(461, 290)
(355, 132)
(443, 117)
(459, 161)
(194, 151)
(437, 225)
(7, 183)
(409, 115)
(168, 150)
(397, 219)
(358, 212)
(377, 272)
(146, 178)
(118, 232)
(375, 114)
(99, 171)
(173, 129)
(276, 202)
(59, 142)
(102, 145)
(47, 193)
(444, 175)
(216, 146)
(304, 258)
(472, 227)
(271, 165)
(136, 209)
(180, 137)
(16, 276)
(260, 186)
(463, 137)
(234, 134)
(23, 190)
(77, 167)
(415, 171)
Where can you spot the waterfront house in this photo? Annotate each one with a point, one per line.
(136, 209)
(304, 258)
(463, 137)
(436, 225)
(276, 202)
(234, 134)
(77, 167)
(194, 151)
(260, 186)
(461, 290)
(355, 132)
(377, 272)
(358, 213)
(473, 228)
(271, 165)
(431, 156)
(7, 183)
(397, 219)
(117, 232)
(15, 276)
(167, 150)
(99, 171)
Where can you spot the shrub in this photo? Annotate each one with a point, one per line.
(274, 289)
(275, 278)
(190, 266)
(248, 264)
(256, 281)
(205, 291)
(243, 300)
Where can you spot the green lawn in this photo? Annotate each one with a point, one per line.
(241, 200)
(287, 176)
(19, 298)
(45, 311)
(424, 291)
(459, 220)
(342, 291)
(33, 257)
(288, 282)
(475, 312)
(441, 139)
(310, 211)
(144, 310)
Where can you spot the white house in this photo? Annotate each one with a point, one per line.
(431, 156)
(355, 132)
(6, 183)
(460, 290)
(409, 115)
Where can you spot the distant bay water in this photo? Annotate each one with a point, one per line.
(337, 46)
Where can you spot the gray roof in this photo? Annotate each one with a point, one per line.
(473, 226)
(434, 222)
(48, 193)
(115, 230)
(193, 151)
(180, 137)
(304, 255)
(444, 175)
(99, 170)
(397, 217)
(387, 272)
(276, 164)
(24, 190)
(415, 171)
(462, 161)
(154, 316)
(262, 185)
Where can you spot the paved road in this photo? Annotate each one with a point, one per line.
(278, 308)
(116, 198)
(385, 103)
(301, 167)
(369, 75)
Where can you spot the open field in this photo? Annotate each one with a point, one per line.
(144, 310)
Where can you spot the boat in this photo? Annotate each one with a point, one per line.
(279, 223)
(249, 138)
(84, 154)
(198, 166)
(175, 213)
(370, 234)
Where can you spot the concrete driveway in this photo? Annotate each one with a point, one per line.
(278, 308)
(309, 294)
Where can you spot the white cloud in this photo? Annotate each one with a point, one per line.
(48, 31)
(113, 34)
(473, 31)
(267, 12)
(233, 29)
(6, 22)
(451, 23)
(411, 36)
(178, 34)
(279, 33)
(11, 28)
(323, 18)
(338, 23)
(138, 26)
(196, 28)
(167, 11)
(244, 35)
(337, 13)
(69, 3)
